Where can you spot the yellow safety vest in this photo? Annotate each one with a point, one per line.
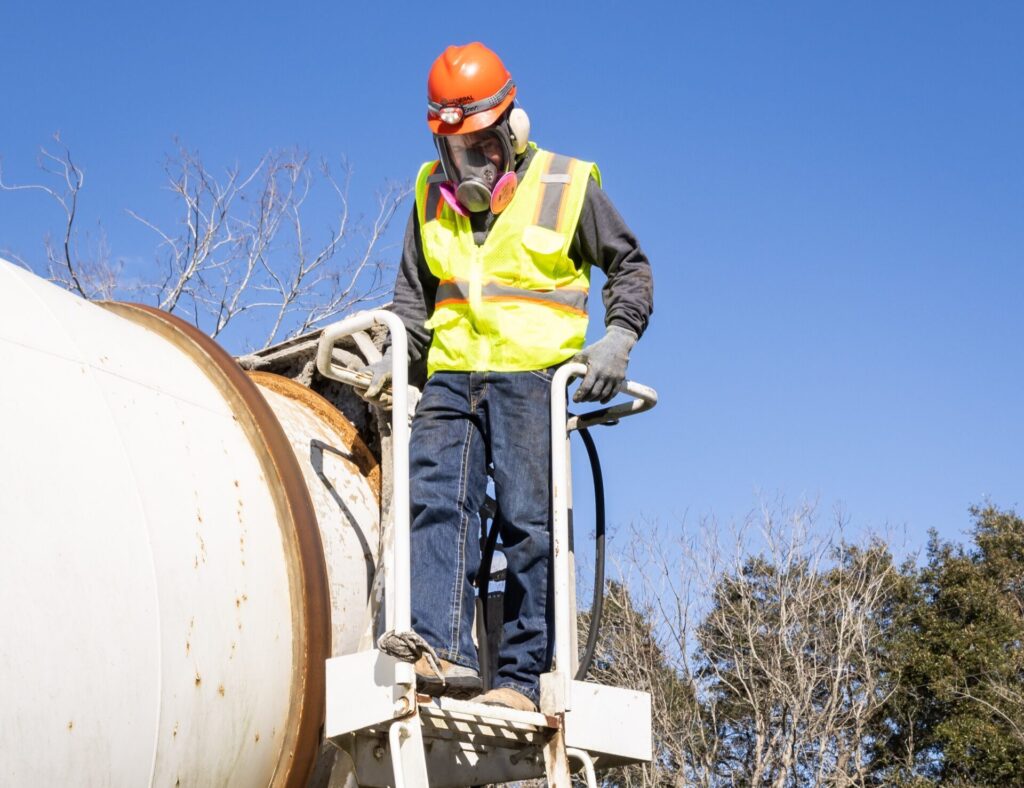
(516, 302)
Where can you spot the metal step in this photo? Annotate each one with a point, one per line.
(464, 743)
(457, 742)
(477, 723)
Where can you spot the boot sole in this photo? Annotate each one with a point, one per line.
(458, 687)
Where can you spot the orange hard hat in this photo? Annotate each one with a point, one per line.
(468, 89)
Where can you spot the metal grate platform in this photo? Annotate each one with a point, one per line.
(479, 724)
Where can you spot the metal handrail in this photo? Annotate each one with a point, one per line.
(398, 615)
(645, 398)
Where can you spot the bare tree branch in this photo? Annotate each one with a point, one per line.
(764, 666)
(242, 247)
(89, 278)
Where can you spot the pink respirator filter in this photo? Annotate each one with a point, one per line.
(451, 199)
(504, 189)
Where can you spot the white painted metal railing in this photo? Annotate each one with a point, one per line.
(398, 615)
(644, 398)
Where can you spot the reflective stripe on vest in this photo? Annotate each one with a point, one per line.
(553, 191)
(433, 202)
(517, 301)
(571, 299)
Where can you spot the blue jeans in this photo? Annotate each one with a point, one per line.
(465, 422)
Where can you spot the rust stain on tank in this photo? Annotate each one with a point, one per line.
(71, 724)
(174, 733)
(199, 679)
(188, 647)
(257, 737)
(236, 483)
(220, 690)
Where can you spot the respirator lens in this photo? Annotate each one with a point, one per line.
(476, 164)
(480, 155)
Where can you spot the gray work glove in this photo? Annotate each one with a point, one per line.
(380, 378)
(606, 362)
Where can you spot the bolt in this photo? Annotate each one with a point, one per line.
(402, 706)
(378, 753)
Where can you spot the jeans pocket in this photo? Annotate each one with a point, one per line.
(545, 374)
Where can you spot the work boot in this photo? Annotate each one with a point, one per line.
(459, 681)
(507, 697)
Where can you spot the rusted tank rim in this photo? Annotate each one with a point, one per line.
(307, 572)
(365, 462)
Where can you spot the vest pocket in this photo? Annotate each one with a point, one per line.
(436, 237)
(545, 249)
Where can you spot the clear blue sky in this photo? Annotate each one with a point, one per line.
(831, 195)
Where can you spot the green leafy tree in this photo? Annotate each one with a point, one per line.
(957, 717)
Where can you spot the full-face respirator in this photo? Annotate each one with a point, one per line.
(480, 165)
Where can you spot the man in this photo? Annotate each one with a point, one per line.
(493, 290)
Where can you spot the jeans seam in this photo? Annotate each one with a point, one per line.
(455, 624)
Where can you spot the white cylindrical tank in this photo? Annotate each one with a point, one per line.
(180, 552)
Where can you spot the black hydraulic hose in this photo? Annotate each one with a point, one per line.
(483, 579)
(597, 606)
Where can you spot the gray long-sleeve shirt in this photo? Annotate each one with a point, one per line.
(602, 238)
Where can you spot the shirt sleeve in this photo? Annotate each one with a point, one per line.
(603, 239)
(415, 289)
